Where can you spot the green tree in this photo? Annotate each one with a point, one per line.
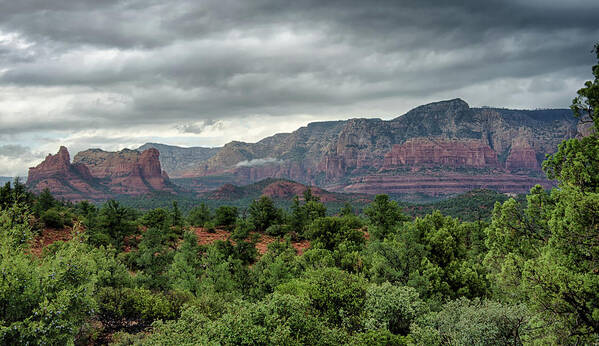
(199, 216)
(153, 258)
(47, 300)
(515, 235)
(225, 216)
(52, 218)
(586, 105)
(44, 201)
(329, 232)
(176, 217)
(337, 295)
(392, 308)
(309, 196)
(186, 269)
(474, 322)
(264, 214)
(576, 163)
(384, 215)
(156, 218)
(562, 283)
(114, 223)
(347, 210)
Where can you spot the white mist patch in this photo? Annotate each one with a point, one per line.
(257, 162)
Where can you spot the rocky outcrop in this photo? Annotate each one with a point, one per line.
(446, 138)
(127, 171)
(63, 179)
(440, 152)
(290, 189)
(98, 175)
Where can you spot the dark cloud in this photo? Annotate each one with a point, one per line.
(75, 65)
(14, 151)
(201, 127)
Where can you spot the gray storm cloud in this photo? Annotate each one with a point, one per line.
(68, 66)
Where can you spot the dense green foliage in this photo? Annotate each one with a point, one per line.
(528, 275)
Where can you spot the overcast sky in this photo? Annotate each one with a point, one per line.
(114, 74)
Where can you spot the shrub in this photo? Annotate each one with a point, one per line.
(263, 213)
(52, 218)
(277, 230)
(198, 216)
(225, 216)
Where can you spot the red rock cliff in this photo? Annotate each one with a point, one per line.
(127, 171)
(522, 157)
(63, 179)
(424, 152)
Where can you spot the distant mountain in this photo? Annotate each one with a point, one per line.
(435, 150)
(438, 149)
(177, 161)
(4, 180)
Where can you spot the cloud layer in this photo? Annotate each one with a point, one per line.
(117, 73)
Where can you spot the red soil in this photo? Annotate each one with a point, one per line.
(48, 236)
(205, 237)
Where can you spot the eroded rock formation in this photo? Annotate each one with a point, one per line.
(96, 174)
(63, 179)
(127, 171)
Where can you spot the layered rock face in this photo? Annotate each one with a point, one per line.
(96, 174)
(279, 189)
(423, 152)
(522, 157)
(447, 138)
(63, 179)
(289, 189)
(127, 171)
(443, 137)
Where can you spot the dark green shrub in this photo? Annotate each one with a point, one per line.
(155, 218)
(198, 216)
(210, 227)
(225, 217)
(278, 230)
(263, 213)
(52, 218)
(116, 306)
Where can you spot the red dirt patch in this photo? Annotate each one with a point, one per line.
(48, 236)
(205, 237)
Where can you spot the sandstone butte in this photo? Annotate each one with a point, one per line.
(100, 175)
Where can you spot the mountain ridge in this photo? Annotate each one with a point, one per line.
(441, 148)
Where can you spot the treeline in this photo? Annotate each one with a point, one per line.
(528, 276)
